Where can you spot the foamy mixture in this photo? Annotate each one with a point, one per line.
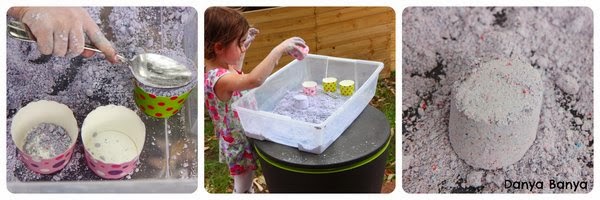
(112, 147)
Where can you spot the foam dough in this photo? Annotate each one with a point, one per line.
(112, 147)
(113, 134)
(495, 113)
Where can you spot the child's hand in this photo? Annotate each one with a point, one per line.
(295, 47)
(60, 31)
(252, 32)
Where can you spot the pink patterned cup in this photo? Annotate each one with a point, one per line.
(113, 138)
(309, 88)
(31, 116)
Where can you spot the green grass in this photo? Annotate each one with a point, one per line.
(216, 175)
(385, 101)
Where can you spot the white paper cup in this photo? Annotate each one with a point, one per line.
(309, 88)
(31, 116)
(113, 138)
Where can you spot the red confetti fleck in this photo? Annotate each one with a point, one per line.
(434, 167)
(525, 91)
(440, 104)
(424, 105)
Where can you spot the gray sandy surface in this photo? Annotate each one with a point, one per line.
(46, 140)
(86, 83)
(444, 45)
(320, 106)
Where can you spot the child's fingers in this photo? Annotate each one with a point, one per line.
(61, 43)
(45, 39)
(301, 44)
(253, 31)
(98, 39)
(76, 41)
(298, 39)
(87, 53)
(297, 52)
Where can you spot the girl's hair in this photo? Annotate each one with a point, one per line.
(222, 25)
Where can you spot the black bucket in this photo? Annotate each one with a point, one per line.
(354, 163)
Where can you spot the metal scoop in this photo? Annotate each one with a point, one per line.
(150, 69)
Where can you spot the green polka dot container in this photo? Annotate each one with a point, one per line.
(158, 106)
(347, 87)
(165, 102)
(330, 84)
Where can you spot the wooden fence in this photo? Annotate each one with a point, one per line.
(366, 33)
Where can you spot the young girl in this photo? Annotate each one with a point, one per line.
(227, 36)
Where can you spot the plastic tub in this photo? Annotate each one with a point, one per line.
(255, 107)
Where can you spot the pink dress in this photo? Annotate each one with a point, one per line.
(234, 147)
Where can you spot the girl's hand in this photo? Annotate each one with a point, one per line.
(252, 32)
(60, 31)
(295, 47)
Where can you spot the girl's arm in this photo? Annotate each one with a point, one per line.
(238, 82)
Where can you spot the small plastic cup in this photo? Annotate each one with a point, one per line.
(158, 106)
(164, 102)
(31, 116)
(330, 84)
(113, 138)
(347, 87)
(300, 55)
(309, 88)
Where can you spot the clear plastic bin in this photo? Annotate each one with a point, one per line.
(255, 107)
(169, 162)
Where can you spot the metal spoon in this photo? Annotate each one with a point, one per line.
(150, 69)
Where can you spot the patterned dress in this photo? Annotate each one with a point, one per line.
(234, 147)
